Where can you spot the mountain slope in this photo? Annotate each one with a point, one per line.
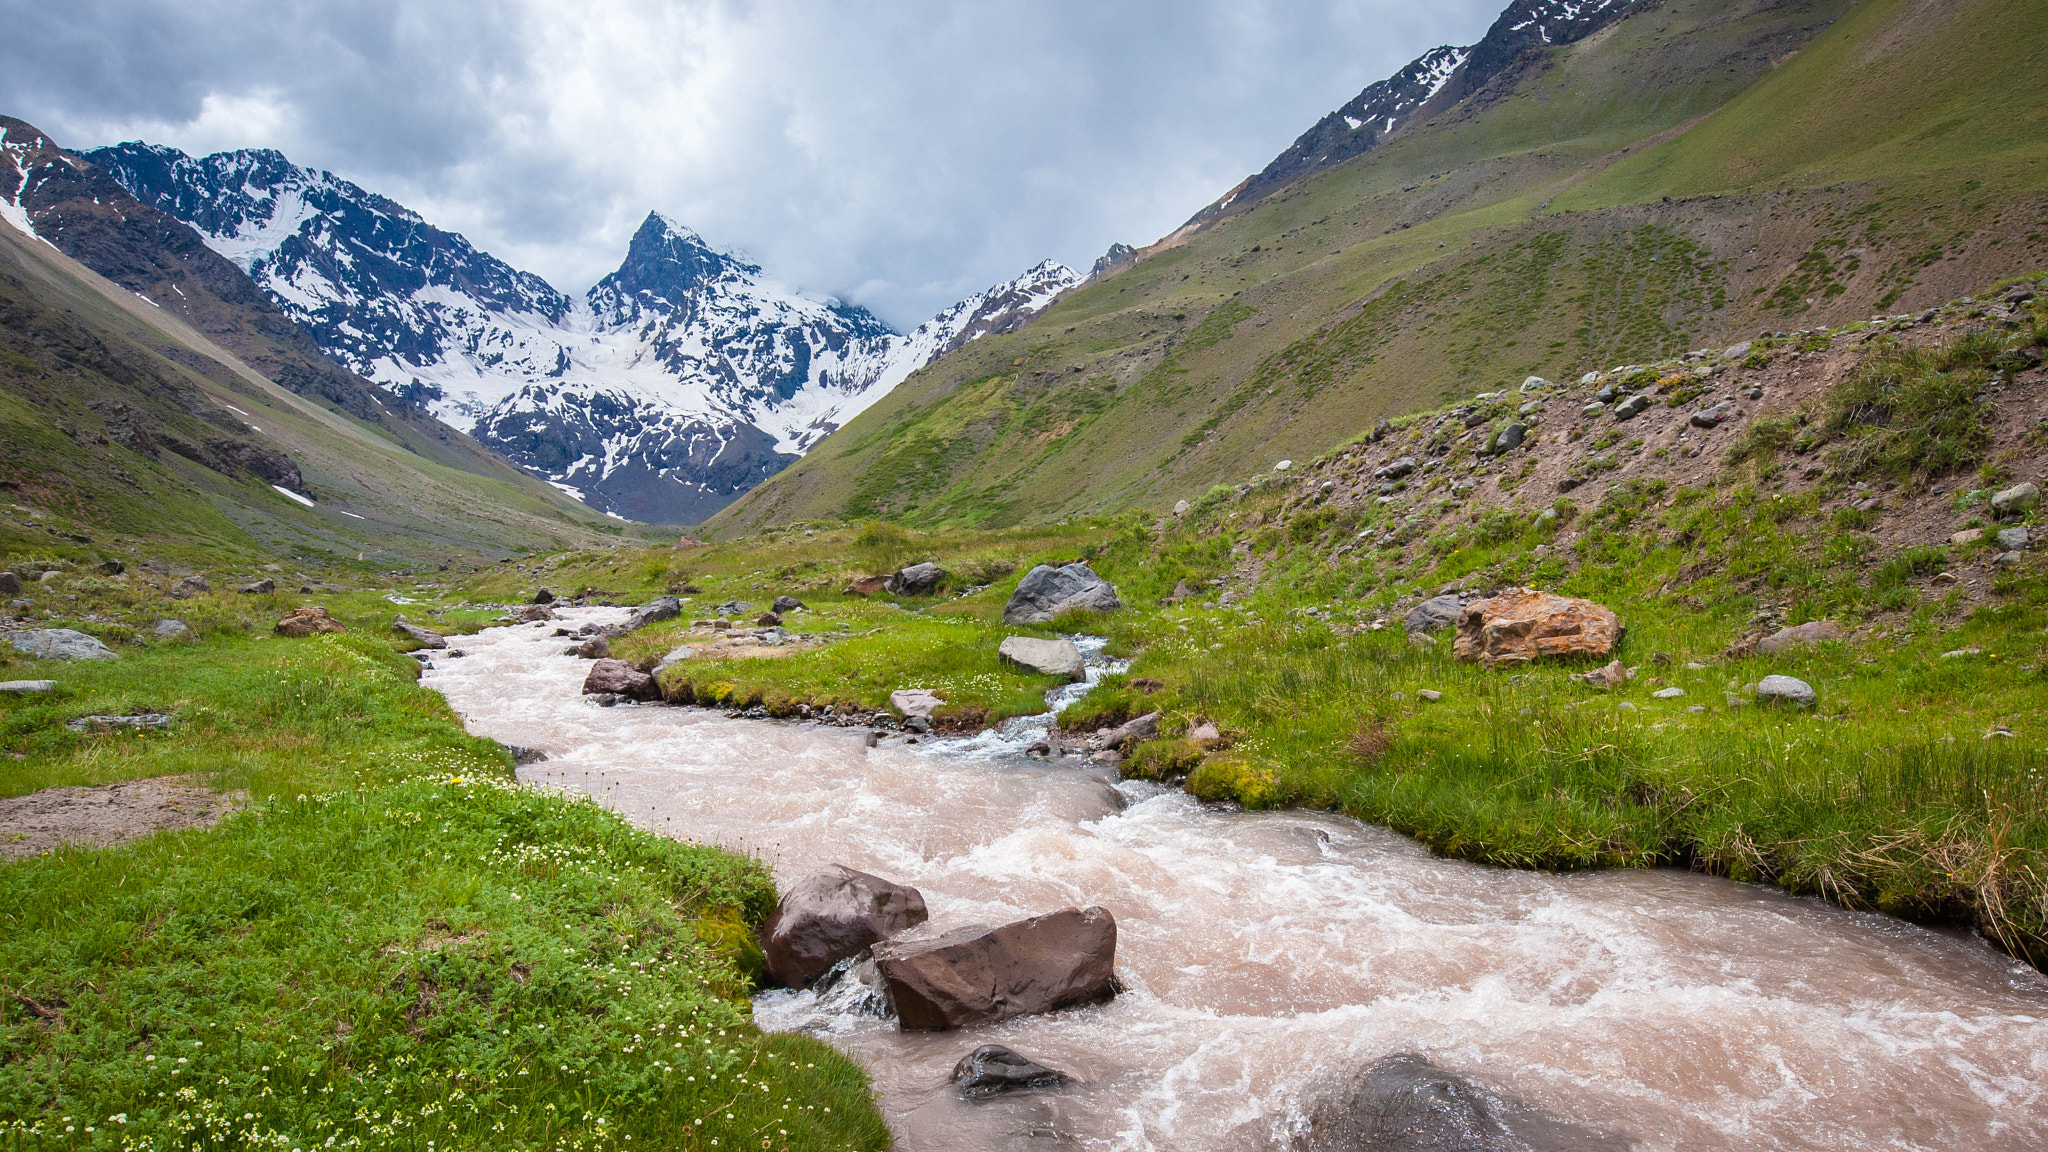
(1522, 230)
(683, 378)
(132, 426)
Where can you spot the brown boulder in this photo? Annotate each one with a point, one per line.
(982, 975)
(427, 637)
(527, 614)
(619, 679)
(867, 586)
(829, 916)
(595, 648)
(1800, 636)
(307, 621)
(1613, 675)
(1524, 624)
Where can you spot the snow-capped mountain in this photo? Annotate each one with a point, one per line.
(1436, 80)
(676, 383)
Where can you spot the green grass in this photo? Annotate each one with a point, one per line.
(391, 945)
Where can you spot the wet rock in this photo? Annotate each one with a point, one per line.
(1800, 636)
(1121, 737)
(2015, 500)
(307, 621)
(59, 644)
(1524, 625)
(169, 629)
(189, 587)
(141, 722)
(1047, 592)
(618, 678)
(1039, 748)
(259, 587)
(916, 580)
(1785, 689)
(543, 597)
(2013, 539)
(1434, 614)
(915, 703)
(993, 1070)
(784, 604)
(831, 916)
(867, 586)
(26, 687)
(595, 648)
(1048, 657)
(427, 637)
(665, 608)
(1403, 1103)
(530, 613)
(981, 975)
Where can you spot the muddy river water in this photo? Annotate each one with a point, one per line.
(1270, 956)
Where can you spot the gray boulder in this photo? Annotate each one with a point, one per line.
(1433, 614)
(10, 584)
(916, 580)
(1130, 732)
(1049, 657)
(142, 722)
(259, 587)
(2015, 500)
(831, 916)
(1786, 689)
(2014, 539)
(169, 629)
(189, 587)
(1632, 407)
(1403, 1103)
(1800, 636)
(426, 636)
(666, 608)
(26, 687)
(914, 703)
(993, 1070)
(618, 678)
(1046, 593)
(786, 604)
(59, 644)
(675, 656)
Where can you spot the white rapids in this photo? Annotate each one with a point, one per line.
(1269, 956)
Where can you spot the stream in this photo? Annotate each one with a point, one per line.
(1271, 956)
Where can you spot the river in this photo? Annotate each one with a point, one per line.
(1270, 956)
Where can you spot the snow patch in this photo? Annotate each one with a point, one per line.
(284, 491)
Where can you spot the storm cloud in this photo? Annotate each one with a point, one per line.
(897, 154)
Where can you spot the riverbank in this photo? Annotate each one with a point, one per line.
(389, 942)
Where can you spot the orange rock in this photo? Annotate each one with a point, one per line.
(306, 621)
(1523, 625)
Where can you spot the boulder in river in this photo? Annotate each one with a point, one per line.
(307, 621)
(916, 580)
(1050, 657)
(975, 976)
(618, 678)
(1404, 1103)
(1433, 614)
(528, 614)
(595, 648)
(1800, 636)
(831, 916)
(1047, 592)
(427, 637)
(993, 1070)
(1523, 624)
(59, 644)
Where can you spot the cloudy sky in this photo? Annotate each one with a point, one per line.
(899, 154)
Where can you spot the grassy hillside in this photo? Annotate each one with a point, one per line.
(125, 434)
(1693, 175)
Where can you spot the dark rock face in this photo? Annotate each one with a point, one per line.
(786, 604)
(993, 1070)
(618, 678)
(1403, 1103)
(833, 915)
(981, 975)
(543, 597)
(10, 584)
(1047, 592)
(916, 580)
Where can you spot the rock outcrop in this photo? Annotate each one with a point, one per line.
(831, 916)
(1435, 613)
(981, 975)
(1047, 592)
(307, 621)
(618, 678)
(916, 580)
(1524, 624)
(59, 644)
(1047, 657)
(993, 1070)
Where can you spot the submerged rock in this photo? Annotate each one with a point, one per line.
(1047, 592)
(1404, 1103)
(981, 975)
(618, 678)
(1524, 625)
(831, 916)
(993, 1070)
(1049, 657)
